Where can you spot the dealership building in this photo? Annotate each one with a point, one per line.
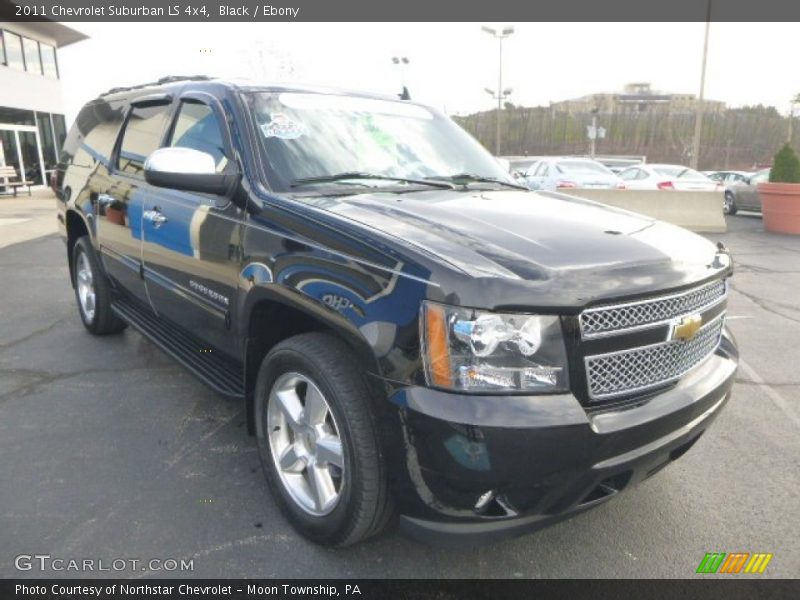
(32, 126)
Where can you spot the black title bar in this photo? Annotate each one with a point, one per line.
(407, 10)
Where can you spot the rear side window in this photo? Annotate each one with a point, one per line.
(198, 128)
(91, 138)
(144, 129)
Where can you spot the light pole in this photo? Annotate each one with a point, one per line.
(500, 35)
(698, 119)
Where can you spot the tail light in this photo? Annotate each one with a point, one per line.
(54, 181)
(665, 185)
(620, 186)
(566, 184)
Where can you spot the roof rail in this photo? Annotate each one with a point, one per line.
(162, 81)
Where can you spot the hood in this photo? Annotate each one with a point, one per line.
(568, 249)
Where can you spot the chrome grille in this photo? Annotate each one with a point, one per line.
(646, 367)
(608, 320)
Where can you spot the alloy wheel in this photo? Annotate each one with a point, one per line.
(305, 444)
(85, 283)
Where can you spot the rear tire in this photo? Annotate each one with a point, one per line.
(316, 431)
(92, 291)
(729, 205)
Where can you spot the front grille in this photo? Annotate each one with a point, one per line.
(646, 367)
(608, 320)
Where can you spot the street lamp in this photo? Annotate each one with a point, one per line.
(698, 118)
(500, 35)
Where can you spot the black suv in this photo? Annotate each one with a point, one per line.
(411, 332)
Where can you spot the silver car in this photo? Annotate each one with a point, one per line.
(743, 195)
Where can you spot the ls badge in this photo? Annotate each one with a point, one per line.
(686, 328)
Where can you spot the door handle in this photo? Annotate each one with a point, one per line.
(155, 217)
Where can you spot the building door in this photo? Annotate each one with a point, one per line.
(22, 150)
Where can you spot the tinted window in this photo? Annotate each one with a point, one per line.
(143, 131)
(13, 45)
(32, 61)
(49, 64)
(583, 166)
(197, 127)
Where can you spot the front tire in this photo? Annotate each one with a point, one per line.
(318, 440)
(729, 206)
(92, 291)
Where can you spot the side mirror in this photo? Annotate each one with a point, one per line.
(188, 170)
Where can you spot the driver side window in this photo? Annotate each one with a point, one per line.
(197, 127)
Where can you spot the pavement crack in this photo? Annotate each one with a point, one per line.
(6, 345)
(767, 305)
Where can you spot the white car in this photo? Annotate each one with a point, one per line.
(557, 173)
(667, 177)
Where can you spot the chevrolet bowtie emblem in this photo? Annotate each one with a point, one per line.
(686, 328)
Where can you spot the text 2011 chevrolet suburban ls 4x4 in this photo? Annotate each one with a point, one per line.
(413, 334)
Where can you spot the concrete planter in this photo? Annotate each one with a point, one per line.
(780, 207)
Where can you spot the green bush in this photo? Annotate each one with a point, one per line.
(786, 168)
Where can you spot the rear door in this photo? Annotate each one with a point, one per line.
(192, 240)
(119, 193)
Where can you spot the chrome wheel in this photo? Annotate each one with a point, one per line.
(84, 280)
(305, 444)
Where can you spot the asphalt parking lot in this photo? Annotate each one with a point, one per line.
(109, 449)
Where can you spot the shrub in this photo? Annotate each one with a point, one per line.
(786, 168)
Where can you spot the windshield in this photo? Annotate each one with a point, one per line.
(583, 167)
(310, 135)
(680, 173)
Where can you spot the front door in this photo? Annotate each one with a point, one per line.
(121, 192)
(192, 240)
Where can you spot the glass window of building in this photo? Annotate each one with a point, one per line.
(13, 47)
(49, 153)
(49, 63)
(60, 129)
(16, 116)
(33, 62)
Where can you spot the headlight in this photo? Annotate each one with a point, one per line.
(480, 351)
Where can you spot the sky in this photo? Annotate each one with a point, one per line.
(450, 64)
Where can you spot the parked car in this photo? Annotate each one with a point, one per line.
(410, 332)
(743, 195)
(728, 177)
(667, 177)
(518, 166)
(557, 173)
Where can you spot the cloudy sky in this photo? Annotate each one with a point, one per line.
(450, 63)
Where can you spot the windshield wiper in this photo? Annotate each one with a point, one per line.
(465, 178)
(337, 177)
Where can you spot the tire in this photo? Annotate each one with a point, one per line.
(298, 368)
(729, 207)
(88, 276)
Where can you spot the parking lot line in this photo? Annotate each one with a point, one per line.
(771, 393)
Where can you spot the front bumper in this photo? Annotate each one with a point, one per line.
(498, 466)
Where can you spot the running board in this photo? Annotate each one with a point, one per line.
(215, 370)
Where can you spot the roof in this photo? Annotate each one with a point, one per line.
(248, 85)
(61, 34)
